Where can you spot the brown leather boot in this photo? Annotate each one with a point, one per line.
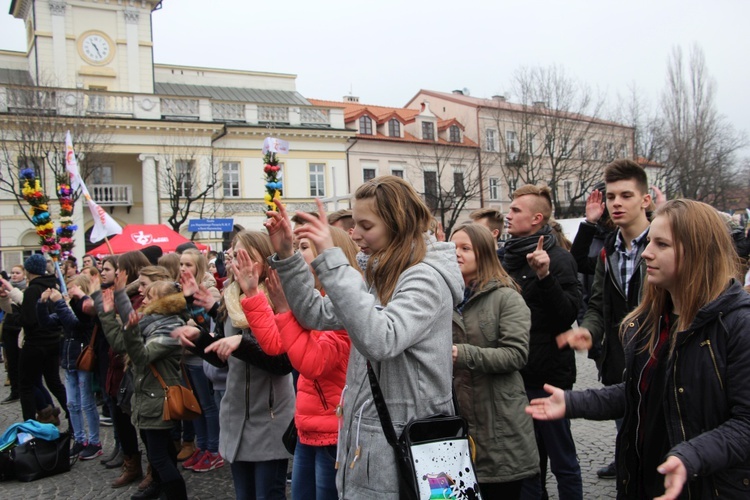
(146, 480)
(131, 471)
(188, 448)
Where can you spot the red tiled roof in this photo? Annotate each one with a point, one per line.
(444, 124)
(381, 114)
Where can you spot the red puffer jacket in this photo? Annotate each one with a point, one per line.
(320, 357)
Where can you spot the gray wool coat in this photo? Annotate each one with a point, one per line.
(408, 341)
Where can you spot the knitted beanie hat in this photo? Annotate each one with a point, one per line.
(36, 264)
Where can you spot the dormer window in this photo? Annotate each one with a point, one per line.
(428, 131)
(365, 125)
(394, 128)
(455, 134)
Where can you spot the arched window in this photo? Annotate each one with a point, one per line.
(455, 134)
(365, 125)
(394, 128)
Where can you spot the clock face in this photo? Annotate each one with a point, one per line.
(96, 49)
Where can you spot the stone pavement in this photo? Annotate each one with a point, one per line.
(89, 480)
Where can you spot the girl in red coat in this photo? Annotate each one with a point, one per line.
(321, 358)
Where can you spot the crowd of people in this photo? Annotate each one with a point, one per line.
(275, 338)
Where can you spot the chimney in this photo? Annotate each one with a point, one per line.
(498, 98)
(425, 108)
(539, 104)
(351, 98)
(458, 92)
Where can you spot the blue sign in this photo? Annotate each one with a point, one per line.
(223, 225)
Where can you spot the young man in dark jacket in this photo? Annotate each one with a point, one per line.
(548, 279)
(619, 272)
(40, 354)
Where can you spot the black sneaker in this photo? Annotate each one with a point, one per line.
(608, 472)
(12, 398)
(91, 451)
(77, 448)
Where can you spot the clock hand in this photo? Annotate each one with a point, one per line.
(96, 48)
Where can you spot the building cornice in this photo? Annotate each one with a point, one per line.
(224, 70)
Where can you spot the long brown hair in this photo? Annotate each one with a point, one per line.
(488, 265)
(406, 219)
(705, 261)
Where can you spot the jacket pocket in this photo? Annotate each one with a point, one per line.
(732, 483)
(150, 404)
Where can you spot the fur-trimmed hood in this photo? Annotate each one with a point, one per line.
(163, 315)
(167, 305)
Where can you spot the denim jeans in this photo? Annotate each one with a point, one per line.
(218, 394)
(260, 480)
(555, 440)
(314, 472)
(207, 424)
(81, 401)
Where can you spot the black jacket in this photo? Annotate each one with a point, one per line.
(706, 401)
(554, 303)
(34, 333)
(608, 304)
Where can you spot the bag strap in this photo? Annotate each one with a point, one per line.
(93, 335)
(161, 380)
(383, 413)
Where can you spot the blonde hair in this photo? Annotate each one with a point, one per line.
(159, 289)
(705, 261)
(201, 264)
(542, 196)
(82, 281)
(155, 273)
(488, 265)
(406, 219)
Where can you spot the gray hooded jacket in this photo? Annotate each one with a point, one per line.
(408, 343)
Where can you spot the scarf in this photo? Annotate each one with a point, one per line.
(21, 285)
(516, 249)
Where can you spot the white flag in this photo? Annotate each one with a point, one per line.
(71, 165)
(104, 225)
(275, 145)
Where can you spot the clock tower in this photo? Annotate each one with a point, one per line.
(90, 44)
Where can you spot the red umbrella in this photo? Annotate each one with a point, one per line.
(139, 236)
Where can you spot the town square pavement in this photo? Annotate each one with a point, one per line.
(90, 480)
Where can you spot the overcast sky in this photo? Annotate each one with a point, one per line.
(385, 51)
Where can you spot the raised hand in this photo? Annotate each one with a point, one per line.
(186, 335)
(121, 280)
(133, 319)
(316, 229)
(280, 231)
(594, 207)
(45, 295)
(108, 300)
(246, 272)
(578, 339)
(75, 292)
(96, 283)
(189, 285)
(551, 408)
(675, 477)
(276, 292)
(55, 295)
(5, 285)
(440, 232)
(225, 347)
(539, 260)
(659, 197)
(203, 298)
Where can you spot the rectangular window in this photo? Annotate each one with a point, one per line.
(428, 131)
(549, 144)
(431, 189)
(317, 180)
(455, 134)
(231, 171)
(397, 169)
(595, 146)
(365, 125)
(184, 177)
(458, 182)
(610, 151)
(494, 188)
(394, 128)
(489, 140)
(512, 186)
(568, 187)
(565, 152)
(101, 174)
(623, 150)
(511, 141)
(582, 149)
(368, 173)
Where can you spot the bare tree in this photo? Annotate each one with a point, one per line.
(554, 135)
(190, 180)
(32, 135)
(452, 180)
(700, 144)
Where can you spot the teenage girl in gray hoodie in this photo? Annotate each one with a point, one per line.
(398, 318)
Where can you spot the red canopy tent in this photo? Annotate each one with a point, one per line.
(139, 236)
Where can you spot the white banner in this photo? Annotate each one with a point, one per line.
(71, 165)
(275, 145)
(104, 225)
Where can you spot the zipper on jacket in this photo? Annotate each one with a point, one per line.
(247, 392)
(707, 342)
(320, 394)
(677, 402)
(270, 400)
(640, 399)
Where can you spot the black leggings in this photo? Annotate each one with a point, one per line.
(36, 361)
(162, 455)
(124, 429)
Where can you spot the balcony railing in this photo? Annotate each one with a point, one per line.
(100, 103)
(112, 195)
